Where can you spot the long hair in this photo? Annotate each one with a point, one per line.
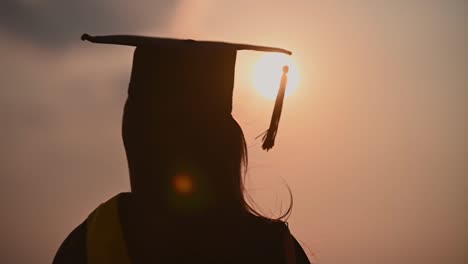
(247, 201)
(212, 150)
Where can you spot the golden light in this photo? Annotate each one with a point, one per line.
(267, 74)
(183, 184)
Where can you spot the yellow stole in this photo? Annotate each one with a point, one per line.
(105, 242)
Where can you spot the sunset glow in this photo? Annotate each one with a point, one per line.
(372, 140)
(267, 74)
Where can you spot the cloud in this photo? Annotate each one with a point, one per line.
(62, 102)
(57, 23)
(61, 115)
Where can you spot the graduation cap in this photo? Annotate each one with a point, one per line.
(189, 76)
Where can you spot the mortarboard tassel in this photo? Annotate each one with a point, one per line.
(270, 135)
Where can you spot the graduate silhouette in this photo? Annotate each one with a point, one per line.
(186, 156)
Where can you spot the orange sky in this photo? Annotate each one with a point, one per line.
(373, 143)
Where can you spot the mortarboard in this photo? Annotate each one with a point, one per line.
(188, 76)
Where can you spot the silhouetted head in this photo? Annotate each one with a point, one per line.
(184, 148)
(185, 151)
(187, 161)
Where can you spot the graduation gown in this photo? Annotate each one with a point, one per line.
(105, 237)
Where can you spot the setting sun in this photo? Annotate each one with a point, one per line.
(267, 74)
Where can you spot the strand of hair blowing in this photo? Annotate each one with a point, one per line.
(247, 200)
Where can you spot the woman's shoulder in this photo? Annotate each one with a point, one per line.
(261, 229)
(73, 248)
(265, 222)
(277, 231)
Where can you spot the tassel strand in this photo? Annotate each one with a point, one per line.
(270, 134)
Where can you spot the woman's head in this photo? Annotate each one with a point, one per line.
(204, 154)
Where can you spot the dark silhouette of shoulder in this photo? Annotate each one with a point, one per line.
(249, 239)
(73, 248)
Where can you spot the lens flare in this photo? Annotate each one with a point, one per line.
(183, 184)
